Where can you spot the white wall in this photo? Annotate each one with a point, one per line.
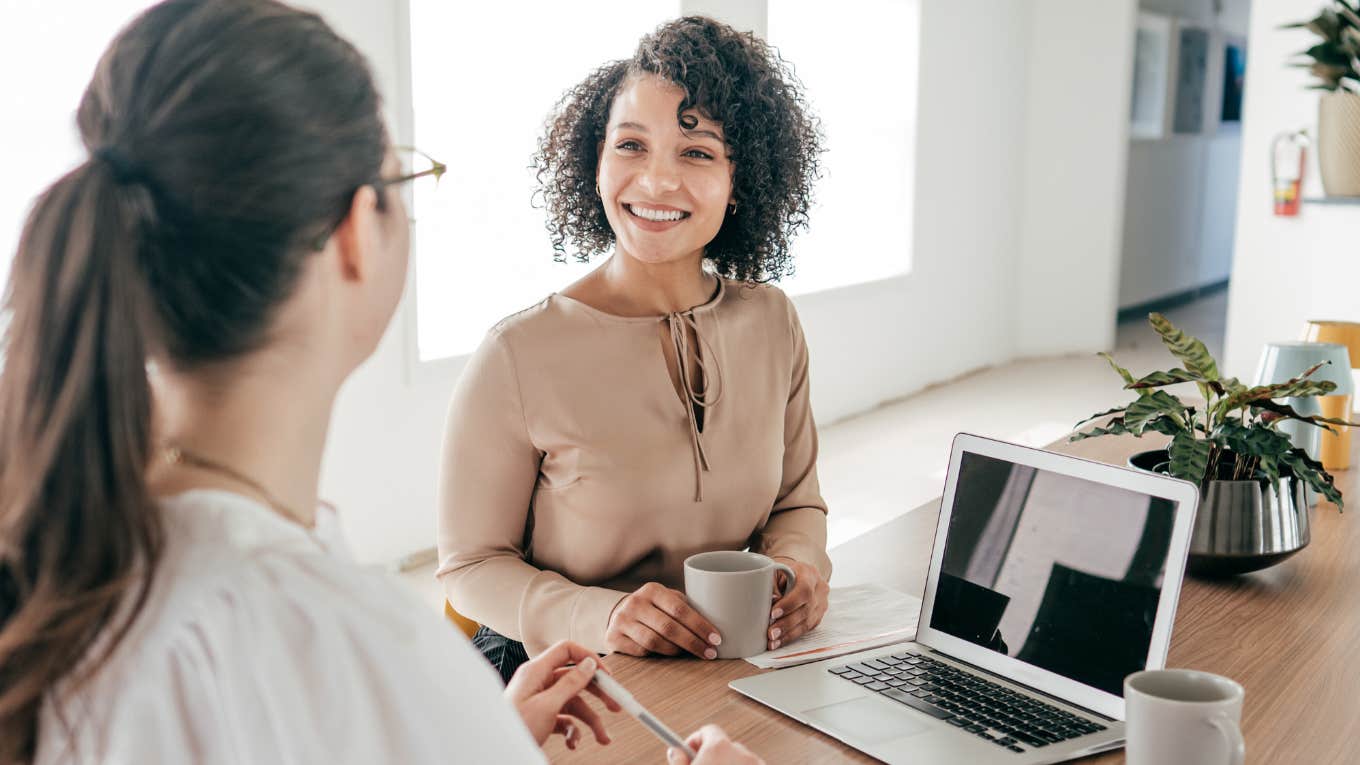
(878, 341)
(984, 287)
(745, 15)
(382, 456)
(1182, 189)
(1072, 194)
(1285, 270)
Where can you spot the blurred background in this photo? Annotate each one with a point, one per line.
(1006, 180)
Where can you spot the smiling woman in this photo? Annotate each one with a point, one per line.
(659, 174)
(657, 407)
(729, 104)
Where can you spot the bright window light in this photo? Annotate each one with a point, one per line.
(484, 77)
(480, 98)
(50, 48)
(857, 62)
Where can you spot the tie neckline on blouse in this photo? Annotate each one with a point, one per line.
(693, 396)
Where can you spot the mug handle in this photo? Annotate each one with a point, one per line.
(1237, 747)
(790, 578)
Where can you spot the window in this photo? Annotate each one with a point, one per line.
(484, 77)
(857, 62)
(55, 45)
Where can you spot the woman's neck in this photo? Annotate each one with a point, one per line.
(656, 288)
(255, 418)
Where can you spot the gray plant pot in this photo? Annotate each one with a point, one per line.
(1242, 526)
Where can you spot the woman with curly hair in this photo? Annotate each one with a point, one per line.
(657, 407)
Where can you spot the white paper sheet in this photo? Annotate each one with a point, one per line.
(857, 618)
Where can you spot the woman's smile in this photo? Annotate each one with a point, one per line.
(655, 218)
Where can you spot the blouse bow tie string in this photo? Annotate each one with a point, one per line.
(695, 397)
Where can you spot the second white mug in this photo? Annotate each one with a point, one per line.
(1182, 717)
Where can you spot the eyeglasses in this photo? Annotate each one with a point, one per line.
(415, 164)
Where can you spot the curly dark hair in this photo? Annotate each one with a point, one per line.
(731, 77)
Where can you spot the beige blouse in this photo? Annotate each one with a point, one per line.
(574, 473)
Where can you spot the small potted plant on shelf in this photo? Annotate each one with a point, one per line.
(1335, 61)
(1253, 511)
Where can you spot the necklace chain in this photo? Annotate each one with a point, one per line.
(178, 455)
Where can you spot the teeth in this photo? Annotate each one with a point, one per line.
(657, 215)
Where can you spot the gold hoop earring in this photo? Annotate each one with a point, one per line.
(597, 190)
(732, 208)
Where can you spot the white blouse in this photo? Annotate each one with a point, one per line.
(263, 642)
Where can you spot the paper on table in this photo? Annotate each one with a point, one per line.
(858, 618)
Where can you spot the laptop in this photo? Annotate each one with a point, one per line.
(1051, 578)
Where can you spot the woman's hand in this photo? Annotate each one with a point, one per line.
(656, 619)
(802, 608)
(714, 748)
(546, 691)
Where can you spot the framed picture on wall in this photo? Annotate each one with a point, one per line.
(1192, 69)
(1152, 58)
(1234, 80)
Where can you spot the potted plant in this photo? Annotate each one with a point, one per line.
(1253, 512)
(1335, 61)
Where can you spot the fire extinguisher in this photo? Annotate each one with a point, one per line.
(1287, 154)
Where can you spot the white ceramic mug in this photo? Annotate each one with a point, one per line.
(1182, 717)
(733, 589)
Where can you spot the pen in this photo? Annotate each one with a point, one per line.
(617, 692)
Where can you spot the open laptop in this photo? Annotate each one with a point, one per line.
(1051, 579)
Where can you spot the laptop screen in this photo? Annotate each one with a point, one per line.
(1054, 570)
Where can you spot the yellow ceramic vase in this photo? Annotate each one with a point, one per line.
(1346, 333)
(1335, 447)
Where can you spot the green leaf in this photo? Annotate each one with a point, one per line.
(1348, 16)
(1249, 441)
(1114, 427)
(1326, 24)
(1097, 416)
(1286, 411)
(1159, 379)
(1304, 388)
(1189, 350)
(1327, 54)
(1269, 465)
(1189, 457)
(1166, 425)
(1124, 373)
(1312, 473)
(1151, 406)
(1296, 387)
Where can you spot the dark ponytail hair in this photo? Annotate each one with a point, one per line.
(227, 139)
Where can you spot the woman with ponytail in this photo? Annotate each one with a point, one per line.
(183, 308)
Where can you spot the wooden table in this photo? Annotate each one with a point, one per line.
(1290, 635)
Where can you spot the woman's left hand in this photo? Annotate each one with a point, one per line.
(802, 608)
(548, 691)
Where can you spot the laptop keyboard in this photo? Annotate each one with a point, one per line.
(996, 713)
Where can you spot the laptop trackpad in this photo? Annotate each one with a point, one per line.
(870, 720)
